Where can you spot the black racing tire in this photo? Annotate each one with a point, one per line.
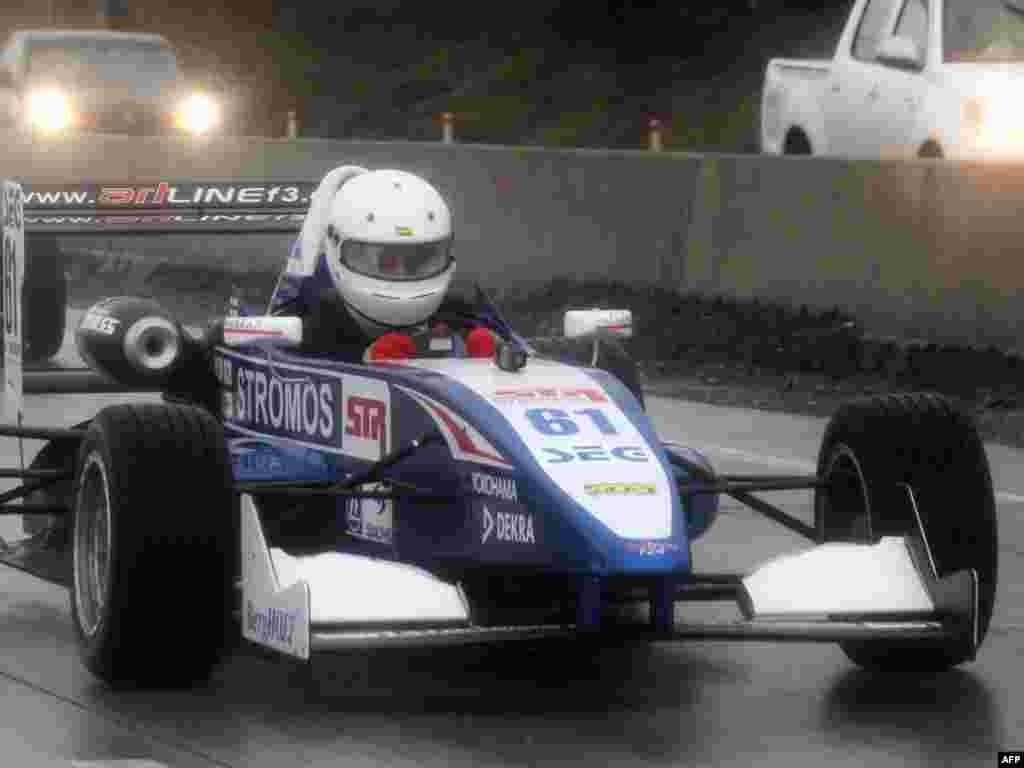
(611, 357)
(154, 543)
(927, 442)
(44, 298)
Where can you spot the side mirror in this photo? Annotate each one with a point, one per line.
(901, 52)
(587, 322)
(279, 331)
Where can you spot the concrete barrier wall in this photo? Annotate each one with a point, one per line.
(928, 250)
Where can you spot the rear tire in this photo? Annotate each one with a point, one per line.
(927, 442)
(154, 546)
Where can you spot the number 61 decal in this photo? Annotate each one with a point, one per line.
(555, 422)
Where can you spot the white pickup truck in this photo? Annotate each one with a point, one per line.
(909, 78)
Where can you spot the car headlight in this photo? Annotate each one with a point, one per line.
(992, 117)
(994, 124)
(199, 114)
(49, 111)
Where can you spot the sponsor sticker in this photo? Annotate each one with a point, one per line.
(254, 459)
(596, 453)
(580, 394)
(495, 486)
(651, 548)
(371, 519)
(13, 281)
(99, 321)
(507, 532)
(164, 194)
(620, 489)
(271, 625)
(514, 527)
(301, 407)
(366, 410)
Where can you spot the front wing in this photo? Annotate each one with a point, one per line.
(886, 591)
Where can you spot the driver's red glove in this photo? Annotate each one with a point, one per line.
(480, 343)
(391, 346)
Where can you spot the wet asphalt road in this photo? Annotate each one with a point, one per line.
(698, 703)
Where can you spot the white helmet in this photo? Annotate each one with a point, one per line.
(388, 245)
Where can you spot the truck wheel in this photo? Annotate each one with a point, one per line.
(44, 299)
(923, 440)
(797, 143)
(154, 545)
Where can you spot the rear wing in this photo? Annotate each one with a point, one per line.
(162, 206)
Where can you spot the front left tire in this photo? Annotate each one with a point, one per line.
(874, 446)
(154, 546)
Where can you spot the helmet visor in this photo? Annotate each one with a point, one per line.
(397, 261)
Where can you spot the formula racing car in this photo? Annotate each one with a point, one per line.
(314, 504)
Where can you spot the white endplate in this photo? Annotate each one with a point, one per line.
(275, 611)
(840, 579)
(285, 597)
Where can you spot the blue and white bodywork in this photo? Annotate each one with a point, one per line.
(550, 470)
(560, 466)
(554, 467)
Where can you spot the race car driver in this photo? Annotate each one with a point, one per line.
(371, 268)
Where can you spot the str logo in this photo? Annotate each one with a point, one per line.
(366, 418)
(514, 527)
(366, 408)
